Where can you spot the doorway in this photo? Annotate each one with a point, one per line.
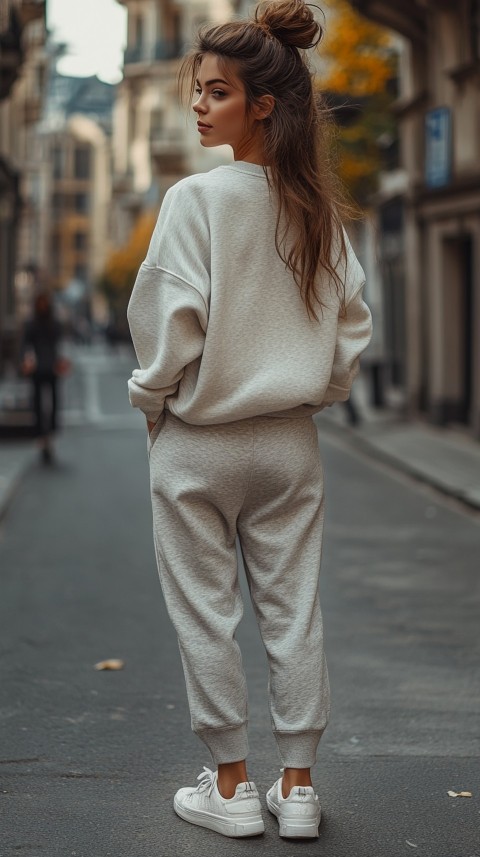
(458, 328)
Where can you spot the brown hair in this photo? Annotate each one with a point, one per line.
(267, 55)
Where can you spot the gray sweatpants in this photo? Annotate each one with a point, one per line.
(260, 478)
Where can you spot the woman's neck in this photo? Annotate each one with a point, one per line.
(251, 151)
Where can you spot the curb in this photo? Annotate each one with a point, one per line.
(469, 498)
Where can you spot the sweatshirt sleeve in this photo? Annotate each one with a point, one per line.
(353, 334)
(168, 310)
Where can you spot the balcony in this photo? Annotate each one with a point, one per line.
(407, 17)
(12, 49)
(168, 50)
(168, 153)
(134, 55)
(162, 51)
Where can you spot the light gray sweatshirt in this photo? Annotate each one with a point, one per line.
(218, 323)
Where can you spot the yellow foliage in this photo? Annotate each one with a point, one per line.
(353, 169)
(358, 63)
(123, 263)
(357, 53)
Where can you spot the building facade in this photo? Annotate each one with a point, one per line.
(155, 143)
(75, 141)
(431, 221)
(23, 66)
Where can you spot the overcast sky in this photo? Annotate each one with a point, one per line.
(95, 32)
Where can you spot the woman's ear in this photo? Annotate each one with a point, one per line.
(263, 107)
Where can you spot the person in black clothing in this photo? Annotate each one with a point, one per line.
(41, 362)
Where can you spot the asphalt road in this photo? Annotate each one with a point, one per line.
(90, 760)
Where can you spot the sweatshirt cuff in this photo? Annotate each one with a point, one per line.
(335, 393)
(142, 399)
(153, 416)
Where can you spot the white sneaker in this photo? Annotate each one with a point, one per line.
(299, 814)
(240, 815)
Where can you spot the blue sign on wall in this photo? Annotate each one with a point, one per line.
(438, 147)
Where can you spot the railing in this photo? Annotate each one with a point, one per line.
(167, 50)
(133, 55)
(162, 50)
(167, 141)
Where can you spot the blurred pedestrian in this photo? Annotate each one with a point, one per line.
(42, 362)
(247, 318)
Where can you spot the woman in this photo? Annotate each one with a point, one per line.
(247, 318)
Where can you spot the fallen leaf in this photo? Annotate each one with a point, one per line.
(459, 794)
(412, 844)
(111, 664)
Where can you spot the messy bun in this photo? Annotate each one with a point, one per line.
(289, 21)
(266, 54)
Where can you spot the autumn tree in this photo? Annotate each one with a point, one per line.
(358, 68)
(122, 267)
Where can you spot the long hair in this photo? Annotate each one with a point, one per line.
(267, 54)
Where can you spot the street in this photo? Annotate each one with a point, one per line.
(90, 759)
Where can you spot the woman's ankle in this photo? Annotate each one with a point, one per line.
(229, 776)
(295, 777)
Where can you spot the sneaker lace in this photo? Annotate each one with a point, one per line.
(207, 779)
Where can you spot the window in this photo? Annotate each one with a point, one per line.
(57, 204)
(57, 160)
(82, 162)
(156, 124)
(80, 241)
(81, 203)
(139, 33)
(81, 273)
(177, 32)
(136, 35)
(54, 261)
(475, 28)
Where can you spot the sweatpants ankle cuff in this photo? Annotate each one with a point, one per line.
(298, 749)
(226, 745)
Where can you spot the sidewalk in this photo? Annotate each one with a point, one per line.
(446, 459)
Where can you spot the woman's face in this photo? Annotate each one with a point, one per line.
(221, 107)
